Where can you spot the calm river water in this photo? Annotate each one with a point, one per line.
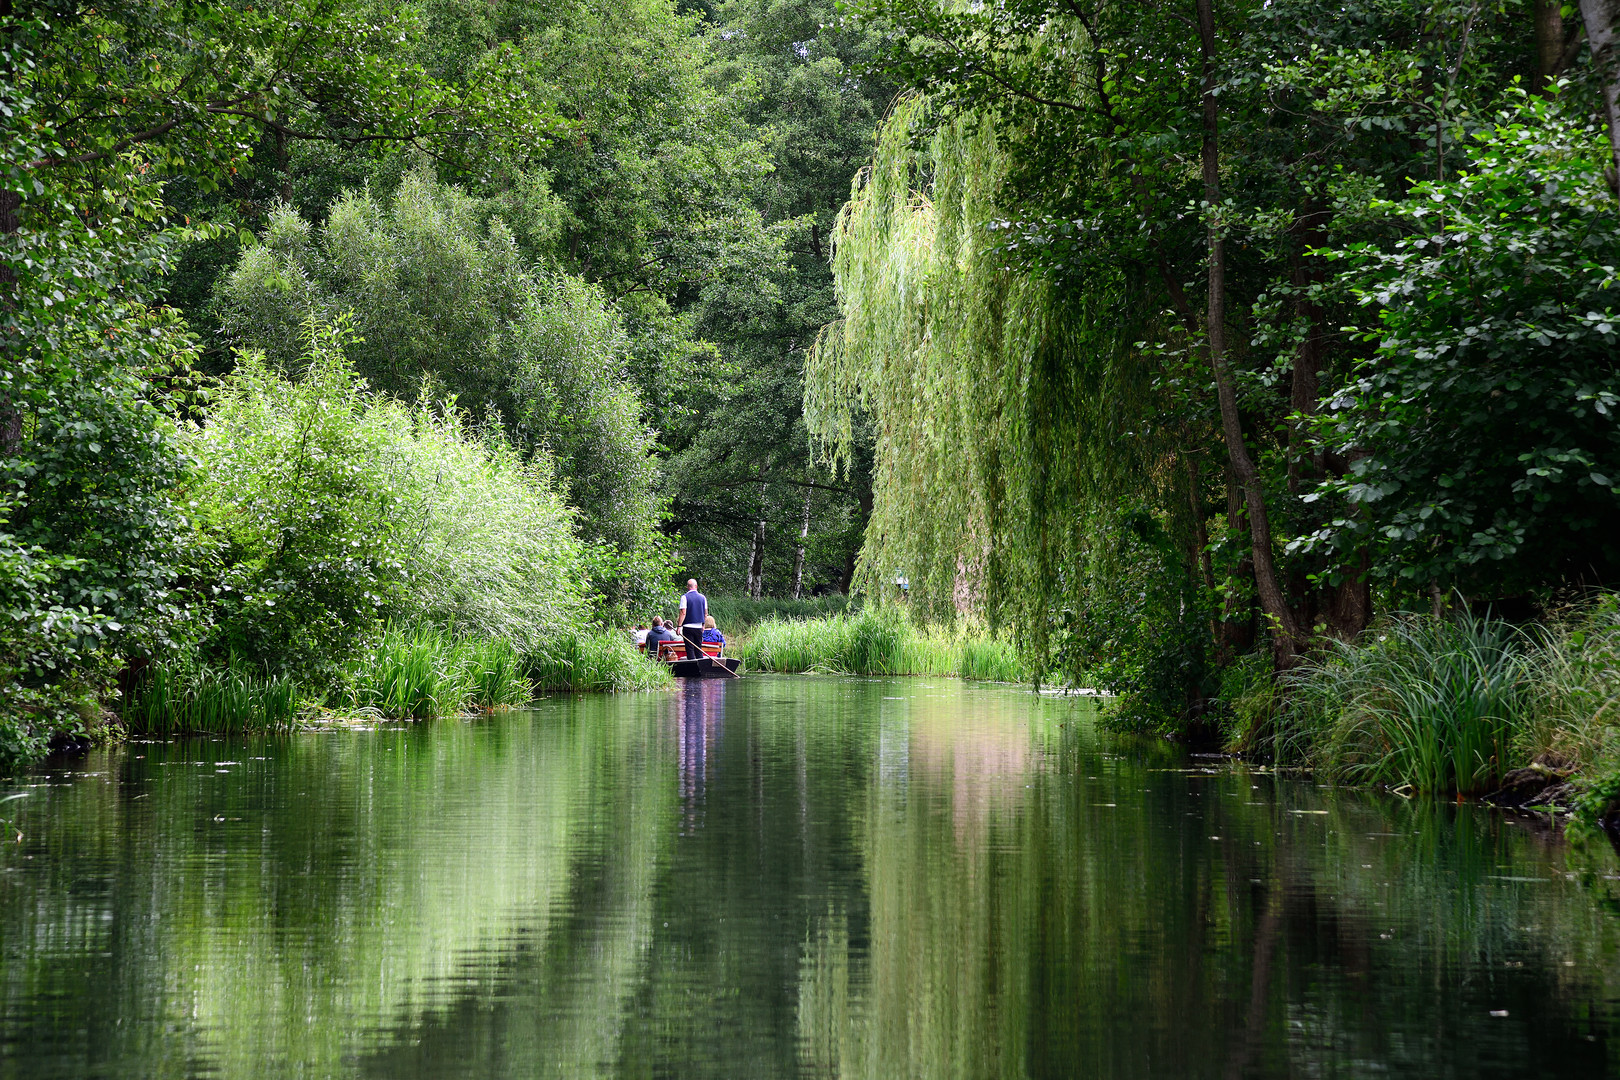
(780, 877)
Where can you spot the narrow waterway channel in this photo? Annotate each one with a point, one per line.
(780, 877)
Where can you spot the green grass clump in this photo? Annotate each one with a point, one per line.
(593, 660)
(413, 674)
(791, 646)
(989, 660)
(421, 673)
(739, 615)
(1576, 689)
(875, 643)
(409, 674)
(1421, 701)
(495, 671)
(181, 696)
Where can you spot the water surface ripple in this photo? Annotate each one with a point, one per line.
(779, 877)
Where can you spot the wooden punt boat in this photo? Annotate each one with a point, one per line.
(709, 665)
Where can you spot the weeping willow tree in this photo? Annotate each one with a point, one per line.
(1022, 435)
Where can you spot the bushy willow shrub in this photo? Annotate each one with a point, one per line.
(1008, 409)
(331, 509)
(438, 289)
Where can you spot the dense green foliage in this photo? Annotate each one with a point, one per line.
(429, 341)
(443, 301)
(1187, 340)
(331, 509)
(1483, 423)
(572, 250)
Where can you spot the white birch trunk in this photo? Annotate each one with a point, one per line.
(1600, 17)
(798, 557)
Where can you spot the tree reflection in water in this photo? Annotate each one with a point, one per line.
(780, 877)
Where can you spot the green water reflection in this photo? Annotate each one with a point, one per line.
(779, 877)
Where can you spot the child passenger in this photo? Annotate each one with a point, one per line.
(711, 633)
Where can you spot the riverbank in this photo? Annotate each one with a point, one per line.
(323, 547)
(415, 674)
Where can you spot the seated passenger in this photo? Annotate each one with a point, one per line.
(711, 633)
(640, 635)
(658, 633)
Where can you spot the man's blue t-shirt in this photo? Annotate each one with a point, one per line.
(697, 608)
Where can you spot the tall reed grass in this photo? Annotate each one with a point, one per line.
(421, 673)
(875, 643)
(1576, 691)
(410, 674)
(185, 696)
(593, 660)
(989, 660)
(1431, 703)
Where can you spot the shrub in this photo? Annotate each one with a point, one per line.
(331, 510)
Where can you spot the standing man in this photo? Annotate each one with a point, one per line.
(694, 609)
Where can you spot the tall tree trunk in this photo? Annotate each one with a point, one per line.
(11, 416)
(1305, 380)
(285, 166)
(1549, 42)
(1600, 17)
(798, 556)
(756, 563)
(1195, 503)
(1286, 638)
(10, 221)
